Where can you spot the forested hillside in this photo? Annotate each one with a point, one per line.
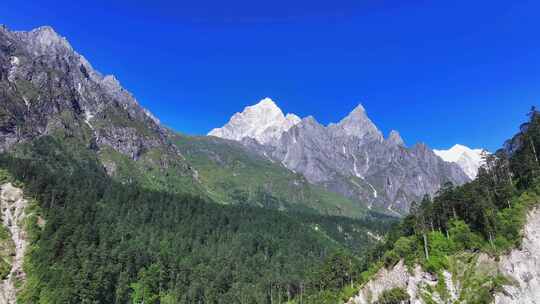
(106, 242)
(445, 234)
(486, 214)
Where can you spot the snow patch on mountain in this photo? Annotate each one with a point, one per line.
(264, 122)
(470, 160)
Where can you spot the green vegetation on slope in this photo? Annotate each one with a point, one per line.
(106, 242)
(231, 174)
(7, 251)
(486, 215)
(149, 172)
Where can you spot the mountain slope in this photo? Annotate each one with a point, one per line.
(353, 158)
(46, 88)
(471, 277)
(233, 174)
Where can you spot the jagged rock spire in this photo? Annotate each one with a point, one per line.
(395, 138)
(358, 124)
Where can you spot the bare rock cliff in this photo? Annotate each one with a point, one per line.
(521, 268)
(13, 205)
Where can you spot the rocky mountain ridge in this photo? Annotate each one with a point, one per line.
(48, 89)
(353, 158)
(34, 62)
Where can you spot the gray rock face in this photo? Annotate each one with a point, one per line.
(360, 164)
(13, 205)
(353, 158)
(357, 124)
(414, 282)
(523, 266)
(48, 88)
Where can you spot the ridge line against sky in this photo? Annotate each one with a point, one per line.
(440, 73)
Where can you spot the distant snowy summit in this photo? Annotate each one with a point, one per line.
(266, 123)
(263, 121)
(470, 160)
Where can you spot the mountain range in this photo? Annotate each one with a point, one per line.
(343, 168)
(351, 157)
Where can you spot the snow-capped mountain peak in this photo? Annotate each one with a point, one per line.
(470, 160)
(350, 157)
(264, 122)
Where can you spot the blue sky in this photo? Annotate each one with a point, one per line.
(440, 72)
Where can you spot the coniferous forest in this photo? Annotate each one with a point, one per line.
(94, 240)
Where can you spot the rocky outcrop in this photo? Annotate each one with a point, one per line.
(126, 141)
(520, 268)
(415, 282)
(13, 205)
